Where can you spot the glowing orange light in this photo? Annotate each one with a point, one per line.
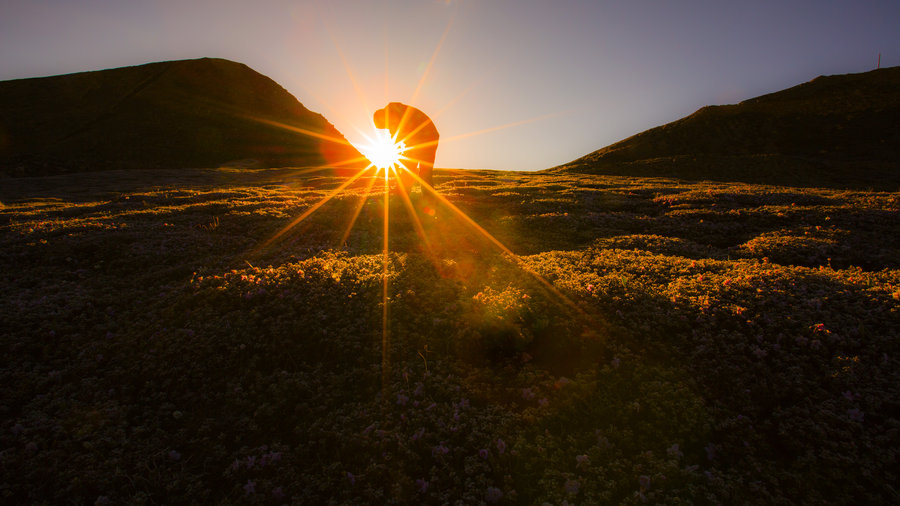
(359, 206)
(382, 150)
(406, 165)
(385, 298)
(309, 211)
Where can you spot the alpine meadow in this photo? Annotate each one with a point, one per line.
(705, 313)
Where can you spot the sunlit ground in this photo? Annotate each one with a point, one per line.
(391, 172)
(161, 346)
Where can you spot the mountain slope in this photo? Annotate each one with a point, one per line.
(839, 130)
(189, 113)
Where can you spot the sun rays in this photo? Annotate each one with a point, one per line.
(382, 150)
(436, 244)
(388, 174)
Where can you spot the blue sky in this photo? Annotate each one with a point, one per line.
(511, 84)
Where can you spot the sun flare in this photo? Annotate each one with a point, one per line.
(382, 151)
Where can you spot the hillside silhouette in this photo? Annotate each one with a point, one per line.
(191, 113)
(833, 131)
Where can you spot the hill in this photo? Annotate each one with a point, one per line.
(836, 131)
(190, 113)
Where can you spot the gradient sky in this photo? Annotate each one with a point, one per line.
(569, 77)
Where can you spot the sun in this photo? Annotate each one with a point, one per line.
(382, 151)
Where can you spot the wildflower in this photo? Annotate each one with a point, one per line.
(710, 451)
(527, 394)
(422, 484)
(674, 452)
(644, 481)
(269, 458)
(572, 487)
(856, 414)
(543, 402)
(582, 460)
(174, 455)
(603, 442)
(483, 453)
(402, 400)
(250, 487)
(615, 362)
(561, 382)
(501, 446)
(440, 449)
(278, 493)
(590, 287)
(351, 478)
(493, 495)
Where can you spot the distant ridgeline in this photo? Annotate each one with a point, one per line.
(190, 113)
(834, 131)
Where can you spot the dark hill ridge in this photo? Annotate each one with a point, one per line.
(841, 130)
(188, 113)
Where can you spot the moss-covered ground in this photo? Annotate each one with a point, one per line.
(639, 340)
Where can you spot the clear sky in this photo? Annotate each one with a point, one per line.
(562, 77)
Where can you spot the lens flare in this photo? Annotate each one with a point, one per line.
(394, 164)
(382, 150)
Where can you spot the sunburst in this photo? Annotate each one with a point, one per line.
(382, 150)
(386, 158)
